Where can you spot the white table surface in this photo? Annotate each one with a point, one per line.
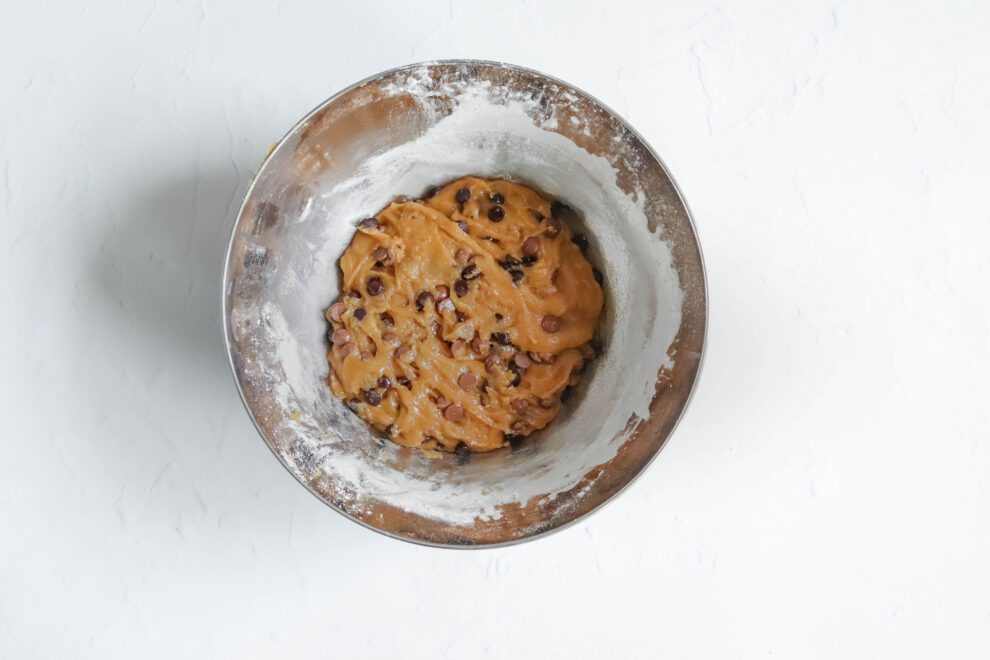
(827, 495)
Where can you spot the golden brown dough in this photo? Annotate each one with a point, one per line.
(463, 318)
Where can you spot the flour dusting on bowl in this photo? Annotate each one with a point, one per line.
(402, 133)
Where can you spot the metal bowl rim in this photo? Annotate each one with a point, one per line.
(453, 62)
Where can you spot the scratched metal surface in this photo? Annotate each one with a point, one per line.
(281, 273)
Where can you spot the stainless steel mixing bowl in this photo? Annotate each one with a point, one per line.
(391, 135)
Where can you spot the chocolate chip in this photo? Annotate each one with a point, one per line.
(529, 260)
(422, 298)
(531, 246)
(462, 256)
(491, 362)
(461, 288)
(336, 311)
(384, 382)
(462, 195)
(369, 223)
(359, 313)
(454, 412)
(387, 319)
(471, 272)
(496, 214)
(341, 337)
(508, 262)
(432, 192)
(513, 439)
(442, 292)
(461, 316)
(467, 380)
(463, 225)
(499, 317)
(462, 455)
(497, 198)
(553, 228)
(501, 338)
(379, 254)
(522, 360)
(372, 397)
(598, 275)
(515, 381)
(375, 286)
(550, 323)
(516, 275)
(405, 382)
(519, 406)
(581, 241)
(557, 208)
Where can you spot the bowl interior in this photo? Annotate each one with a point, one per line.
(398, 134)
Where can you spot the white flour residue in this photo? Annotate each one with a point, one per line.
(488, 139)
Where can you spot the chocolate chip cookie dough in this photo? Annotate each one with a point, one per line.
(463, 318)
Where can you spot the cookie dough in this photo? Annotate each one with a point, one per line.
(463, 318)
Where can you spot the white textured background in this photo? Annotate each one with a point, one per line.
(827, 496)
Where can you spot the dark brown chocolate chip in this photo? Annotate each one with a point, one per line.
(516, 275)
(497, 198)
(463, 225)
(515, 381)
(501, 338)
(461, 288)
(471, 272)
(557, 208)
(375, 286)
(385, 382)
(359, 313)
(598, 275)
(499, 317)
(370, 223)
(461, 316)
(372, 397)
(462, 195)
(405, 382)
(581, 241)
(432, 192)
(529, 260)
(496, 214)
(550, 323)
(387, 319)
(514, 439)
(462, 455)
(508, 262)
(422, 298)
